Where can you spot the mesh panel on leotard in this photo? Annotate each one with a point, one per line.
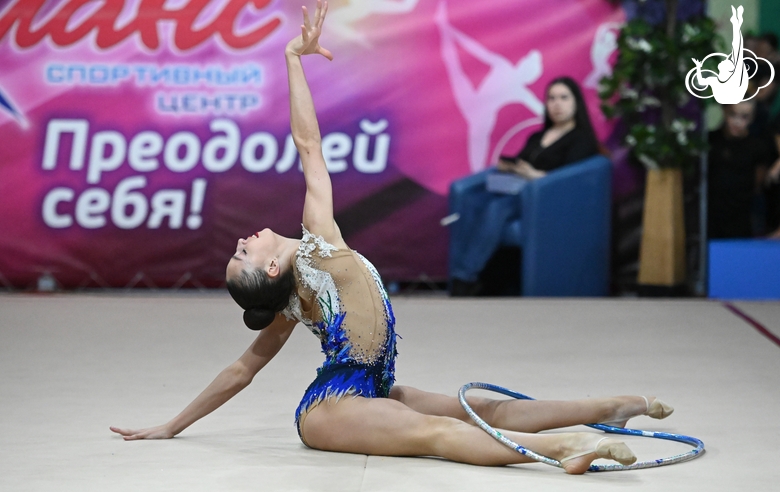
(341, 299)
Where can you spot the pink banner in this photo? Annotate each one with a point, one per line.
(140, 138)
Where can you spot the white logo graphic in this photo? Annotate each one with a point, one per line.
(341, 19)
(730, 84)
(505, 83)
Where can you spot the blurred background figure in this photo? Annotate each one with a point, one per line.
(767, 109)
(737, 163)
(772, 183)
(766, 47)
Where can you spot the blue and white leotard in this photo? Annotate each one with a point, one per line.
(341, 299)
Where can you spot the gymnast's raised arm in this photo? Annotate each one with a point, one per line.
(226, 385)
(318, 205)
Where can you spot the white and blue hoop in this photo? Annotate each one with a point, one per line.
(679, 458)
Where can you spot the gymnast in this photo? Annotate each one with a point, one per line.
(352, 405)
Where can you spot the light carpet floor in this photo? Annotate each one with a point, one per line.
(73, 364)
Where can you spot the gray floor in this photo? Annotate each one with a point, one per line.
(72, 365)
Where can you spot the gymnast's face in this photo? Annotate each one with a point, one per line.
(561, 104)
(256, 251)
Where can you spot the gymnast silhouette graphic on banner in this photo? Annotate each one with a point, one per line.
(505, 83)
(730, 84)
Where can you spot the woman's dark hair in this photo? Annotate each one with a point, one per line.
(260, 296)
(581, 118)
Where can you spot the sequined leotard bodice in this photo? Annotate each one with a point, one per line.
(341, 299)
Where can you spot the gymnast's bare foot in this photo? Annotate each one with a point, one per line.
(581, 448)
(628, 407)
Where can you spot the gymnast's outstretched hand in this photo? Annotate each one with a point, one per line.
(159, 432)
(309, 41)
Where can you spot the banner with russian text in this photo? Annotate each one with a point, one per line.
(140, 138)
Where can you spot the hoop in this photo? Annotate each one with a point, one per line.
(679, 458)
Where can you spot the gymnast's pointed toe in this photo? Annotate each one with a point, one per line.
(659, 409)
(615, 450)
(654, 408)
(606, 447)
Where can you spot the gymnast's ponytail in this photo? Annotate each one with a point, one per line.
(260, 296)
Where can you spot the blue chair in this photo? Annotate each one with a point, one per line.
(562, 224)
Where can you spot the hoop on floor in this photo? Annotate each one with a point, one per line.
(679, 458)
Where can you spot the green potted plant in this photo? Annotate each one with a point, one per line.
(647, 90)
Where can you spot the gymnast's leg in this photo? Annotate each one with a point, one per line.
(386, 427)
(531, 415)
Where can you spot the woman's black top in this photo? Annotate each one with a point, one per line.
(573, 146)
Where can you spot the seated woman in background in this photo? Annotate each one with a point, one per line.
(567, 137)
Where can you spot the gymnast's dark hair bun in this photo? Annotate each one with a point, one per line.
(260, 296)
(257, 319)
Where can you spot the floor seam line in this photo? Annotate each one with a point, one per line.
(755, 324)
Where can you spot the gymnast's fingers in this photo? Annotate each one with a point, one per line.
(306, 18)
(317, 13)
(321, 10)
(124, 432)
(304, 35)
(326, 53)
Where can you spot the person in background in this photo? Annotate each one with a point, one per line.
(566, 137)
(772, 189)
(766, 47)
(767, 103)
(773, 201)
(737, 164)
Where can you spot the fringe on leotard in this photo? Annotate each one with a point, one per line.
(342, 375)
